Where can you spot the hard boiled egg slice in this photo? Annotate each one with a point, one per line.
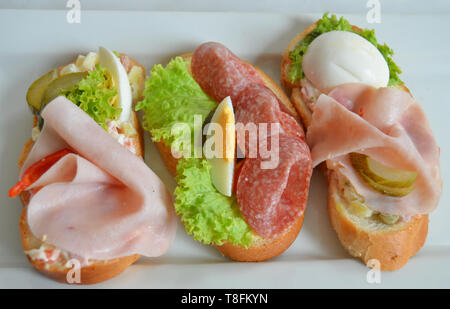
(222, 166)
(112, 63)
(339, 57)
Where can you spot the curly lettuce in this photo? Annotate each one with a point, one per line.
(96, 95)
(172, 96)
(209, 216)
(332, 23)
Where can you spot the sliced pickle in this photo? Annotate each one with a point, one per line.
(36, 91)
(61, 85)
(340, 207)
(361, 210)
(349, 193)
(387, 190)
(381, 174)
(40, 122)
(389, 219)
(384, 179)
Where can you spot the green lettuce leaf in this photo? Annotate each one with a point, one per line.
(332, 23)
(172, 96)
(209, 216)
(95, 95)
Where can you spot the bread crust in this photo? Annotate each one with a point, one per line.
(286, 62)
(96, 271)
(166, 154)
(261, 249)
(391, 247)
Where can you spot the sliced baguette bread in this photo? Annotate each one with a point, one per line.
(371, 239)
(97, 270)
(261, 249)
(391, 245)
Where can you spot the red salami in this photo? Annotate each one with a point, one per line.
(291, 126)
(258, 104)
(270, 199)
(220, 73)
(256, 108)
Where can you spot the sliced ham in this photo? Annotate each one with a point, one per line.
(102, 202)
(386, 124)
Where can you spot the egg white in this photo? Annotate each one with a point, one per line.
(339, 57)
(222, 169)
(112, 63)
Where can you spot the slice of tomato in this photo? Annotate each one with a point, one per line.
(36, 170)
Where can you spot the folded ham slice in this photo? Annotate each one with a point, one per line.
(386, 124)
(101, 203)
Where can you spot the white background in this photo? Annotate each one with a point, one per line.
(285, 6)
(33, 41)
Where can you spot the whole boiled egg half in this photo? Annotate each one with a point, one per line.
(119, 76)
(339, 57)
(222, 163)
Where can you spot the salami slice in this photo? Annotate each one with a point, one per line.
(272, 199)
(256, 110)
(220, 73)
(257, 104)
(291, 126)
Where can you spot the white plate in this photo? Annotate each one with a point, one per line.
(32, 42)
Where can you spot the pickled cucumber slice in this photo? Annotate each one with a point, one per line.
(36, 91)
(388, 219)
(62, 84)
(380, 174)
(360, 210)
(387, 190)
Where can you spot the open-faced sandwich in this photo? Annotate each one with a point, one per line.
(92, 206)
(381, 158)
(245, 196)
